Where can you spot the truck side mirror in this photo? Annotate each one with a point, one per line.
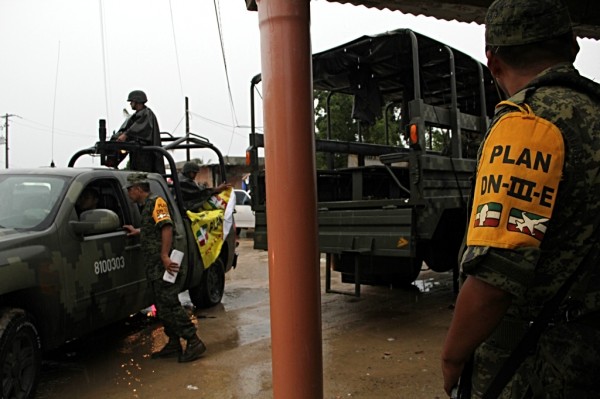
(96, 221)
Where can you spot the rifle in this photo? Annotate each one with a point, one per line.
(463, 389)
(538, 326)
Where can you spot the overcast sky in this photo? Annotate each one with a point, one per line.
(68, 63)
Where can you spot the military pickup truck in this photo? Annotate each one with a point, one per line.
(385, 207)
(63, 275)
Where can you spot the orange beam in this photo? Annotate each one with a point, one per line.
(294, 277)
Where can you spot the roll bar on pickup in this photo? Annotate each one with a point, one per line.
(105, 148)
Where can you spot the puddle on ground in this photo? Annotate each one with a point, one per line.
(426, 285)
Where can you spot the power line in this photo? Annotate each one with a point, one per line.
(47, 129)
(211, 120)
(176, 51)
(233, 115)
(223, 125)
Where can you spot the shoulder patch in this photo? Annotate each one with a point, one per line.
(161, 211)
(517, 181)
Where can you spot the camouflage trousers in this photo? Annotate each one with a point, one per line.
(176, 321)
(565, 364)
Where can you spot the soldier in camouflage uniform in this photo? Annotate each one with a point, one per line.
(535, 214)
(156, 241)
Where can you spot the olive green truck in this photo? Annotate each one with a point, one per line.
(63, 275)
(389, 206)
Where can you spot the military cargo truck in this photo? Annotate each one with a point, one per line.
(390, 205)
(64, 274)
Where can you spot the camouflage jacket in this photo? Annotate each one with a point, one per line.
(154, 215)
(567, 355)
(533, 274)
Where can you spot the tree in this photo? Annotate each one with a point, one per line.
(345, 128)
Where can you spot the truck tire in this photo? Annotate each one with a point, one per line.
(442, 255)
(412, 273)
(20, 355)
(212, 285)
(441, 252)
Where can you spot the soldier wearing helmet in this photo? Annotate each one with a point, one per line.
(535, 218)
(142, 127)
(194, 194)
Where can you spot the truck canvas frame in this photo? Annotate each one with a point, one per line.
(378, 221)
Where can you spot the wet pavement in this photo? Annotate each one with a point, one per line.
(385, 344)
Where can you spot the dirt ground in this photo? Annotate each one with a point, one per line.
(385, 344)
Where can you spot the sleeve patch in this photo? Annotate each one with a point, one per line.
(517, 181)
(161, 211)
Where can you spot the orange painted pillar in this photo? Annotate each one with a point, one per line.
(294, 278)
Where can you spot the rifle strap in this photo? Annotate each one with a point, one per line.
(535, 330)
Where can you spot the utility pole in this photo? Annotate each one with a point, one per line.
(6, 116)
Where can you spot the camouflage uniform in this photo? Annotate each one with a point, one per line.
(565, 362)
(175, 319)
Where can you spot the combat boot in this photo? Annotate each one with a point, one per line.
(193, 350)
(171, 349)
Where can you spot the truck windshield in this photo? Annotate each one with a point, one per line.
(28, 201)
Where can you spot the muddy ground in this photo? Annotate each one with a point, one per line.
(385, 344)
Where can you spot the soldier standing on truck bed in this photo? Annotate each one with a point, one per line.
(142, 127)
(535, 220)
(156, 239)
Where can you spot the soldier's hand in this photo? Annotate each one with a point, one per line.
(222, 187)
(169, 265)
(131, 231)
(451, 372)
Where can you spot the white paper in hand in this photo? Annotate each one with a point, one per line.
(176, 257)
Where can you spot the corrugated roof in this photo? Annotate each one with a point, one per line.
(584, 13)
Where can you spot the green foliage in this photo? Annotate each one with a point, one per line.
(438, 139)
(344, 128)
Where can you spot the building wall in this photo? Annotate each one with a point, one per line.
(235, 170)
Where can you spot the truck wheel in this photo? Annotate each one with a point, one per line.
(20, 355)
(442, 256)
(413, 269)
(212, 284)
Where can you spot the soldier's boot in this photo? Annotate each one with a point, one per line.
(193, 350)
(171, 349)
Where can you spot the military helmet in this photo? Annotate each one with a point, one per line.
(190, 167)
(138, 96)
(136, 179)
(516, 22)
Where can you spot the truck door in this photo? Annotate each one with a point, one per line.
(108, 282)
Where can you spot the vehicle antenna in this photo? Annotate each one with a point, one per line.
(54, 106)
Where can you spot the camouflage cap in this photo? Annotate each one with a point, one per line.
(516, 22)
(137, 178)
